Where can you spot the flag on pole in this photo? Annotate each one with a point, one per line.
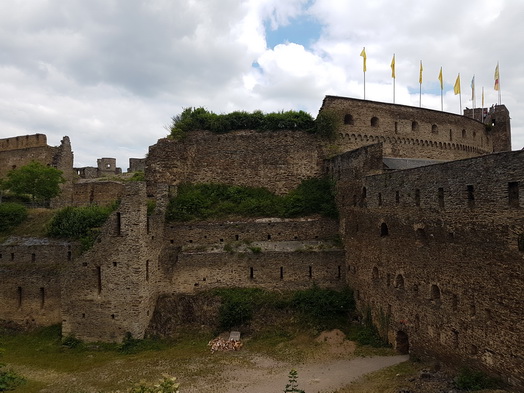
(393, 67)
(473, 88)
(420, 73)
(456, 88)
(497, 78)
(363, 54)
(441, 79)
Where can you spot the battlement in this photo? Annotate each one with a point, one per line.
(23, 142)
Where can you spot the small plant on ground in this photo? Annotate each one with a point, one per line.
(292, 385)
(9, 380)
(166, 385)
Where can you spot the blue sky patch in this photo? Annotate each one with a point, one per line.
(302, 30)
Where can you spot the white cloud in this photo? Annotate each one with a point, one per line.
(111, 73)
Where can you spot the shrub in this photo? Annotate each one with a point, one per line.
(202, 201)
(470, 380)
(192, 119)
(11, 214)
(166, 385)
(80, 223)
(9, 380)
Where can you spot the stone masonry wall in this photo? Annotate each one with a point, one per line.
(278, 161)
(30, 270)
(268, 229)
(98, 193)
(437, 254)
(407, 131)
(112, 288)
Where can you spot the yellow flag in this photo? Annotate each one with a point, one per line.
(393, 67)
(441, 79)
(420, 73)
(497, 76)
(363, 54)
(456, 88)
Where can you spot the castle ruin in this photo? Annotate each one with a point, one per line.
(430, 220)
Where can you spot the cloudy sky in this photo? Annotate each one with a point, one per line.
(110, 74)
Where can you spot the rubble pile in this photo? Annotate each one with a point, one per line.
(221, 344)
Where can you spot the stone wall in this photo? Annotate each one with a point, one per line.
(278, 160)
(30, 270)
(436, 253)
(267, 229)
(112, 288)
(97, 193)
(407, 131)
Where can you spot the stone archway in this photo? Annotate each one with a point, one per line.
(402, 342)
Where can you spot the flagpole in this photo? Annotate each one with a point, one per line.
(364, 57)
(441, 79)
(500, 92)
(393, 75)
(420, 86)
(364, 84)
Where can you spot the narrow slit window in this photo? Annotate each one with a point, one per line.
(99, 278)
(471, 195)
(441, 197)
(281, 273)
(513, 194)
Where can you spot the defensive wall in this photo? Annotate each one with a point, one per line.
(18, 151)
(410, 132)
(436, 255)
(278, 160)
(31, 269)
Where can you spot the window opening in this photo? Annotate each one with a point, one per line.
(417, 197)
(99, 278)
(348, 119)
(441, 197)
(281, 273)
(384, 231)
(435, 292)
(19, 293)
(399, 282)
(374, 121)
(513, 193)
(42, 297)
(118, 223)
(311, 272)
(251, 273)
(471, 195)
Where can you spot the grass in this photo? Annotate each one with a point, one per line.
(35, 225)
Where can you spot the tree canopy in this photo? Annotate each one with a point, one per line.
(39, 181)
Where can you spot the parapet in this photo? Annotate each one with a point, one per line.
(23, 142)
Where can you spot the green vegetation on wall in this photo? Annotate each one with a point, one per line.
(192, 119)
(204, 201)
(315, 307)
(80, 223)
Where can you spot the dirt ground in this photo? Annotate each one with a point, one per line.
(334, 368)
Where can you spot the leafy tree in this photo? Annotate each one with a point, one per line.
(38, 180)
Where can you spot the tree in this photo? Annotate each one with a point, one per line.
(35, 179)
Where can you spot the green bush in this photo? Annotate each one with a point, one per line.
(471, 380)
(11, 214)
(203, 201)
(192, 119)
(9, 380)
(80, 223)
(324, 307)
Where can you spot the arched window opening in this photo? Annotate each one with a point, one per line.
(374, 121)
(414, 126)
(384, 231)
(348, 119)
(434, 129)
(464, 133)
(399, 282)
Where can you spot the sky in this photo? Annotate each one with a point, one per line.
(111, 74)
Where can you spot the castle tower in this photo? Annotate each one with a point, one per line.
(497, 121)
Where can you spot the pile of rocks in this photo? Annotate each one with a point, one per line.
(221, 344)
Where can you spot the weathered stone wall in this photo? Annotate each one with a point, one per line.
(278, 161)
(30, 269)
(437, 254)
(407, 131)
(19, 151)
(98, 193)
(112, 288)
(268, 229)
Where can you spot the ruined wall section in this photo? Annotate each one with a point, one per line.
(277, 160)
(30, 270)
(407, 131)
(87, 193)
(437, 254)
(273, 254)
(112, 288)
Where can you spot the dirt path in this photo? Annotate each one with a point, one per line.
(313, 378)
